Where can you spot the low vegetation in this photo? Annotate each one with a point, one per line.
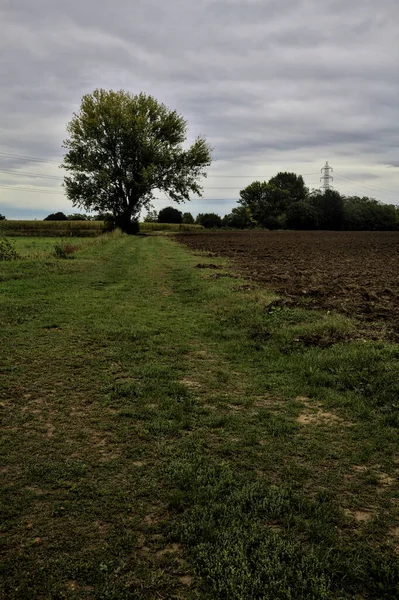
(170, 432)
(51, 228)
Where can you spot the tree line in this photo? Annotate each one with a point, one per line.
(284, 202)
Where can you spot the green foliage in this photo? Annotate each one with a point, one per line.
(188, 219)
(302, 215)
(170, 215)
(64, 250)
(209, 220)
(58, 216)
(330, 207)
(291, 183)
(7, 250)
(2, 218)
(239, 218)
(169, 227)
(121, 147)
(151, 217)
(78, 217)
(367, 214)
(266, 203)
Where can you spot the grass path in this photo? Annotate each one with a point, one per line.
(167, 435)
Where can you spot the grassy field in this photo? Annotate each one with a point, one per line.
(168, 433)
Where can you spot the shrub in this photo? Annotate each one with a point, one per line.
(170, 215)
(209, 220)
(64, 250)
(188, 219)
(77, 217)
(59, 216)
(2, 218)
(7, 250)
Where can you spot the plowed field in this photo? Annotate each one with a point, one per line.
(356, 273)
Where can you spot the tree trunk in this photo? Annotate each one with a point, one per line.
(125, 222)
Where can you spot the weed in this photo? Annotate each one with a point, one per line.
(7, 250)
(64, 250)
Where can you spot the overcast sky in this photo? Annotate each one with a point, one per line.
(274, 85)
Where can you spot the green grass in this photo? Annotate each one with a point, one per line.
(169, 434)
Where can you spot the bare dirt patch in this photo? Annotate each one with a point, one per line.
(354, 273)
(314, 414)
(361, 516)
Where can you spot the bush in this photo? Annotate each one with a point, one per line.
(7, 250)
(188, 219)
(239, 218)
(59, 216)
(170, 215)
(151, 217)
(64, 250)
(209, 220)
(77, 217)
(2, 218)
(302, 215)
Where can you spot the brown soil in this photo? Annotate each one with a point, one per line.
(355, 273)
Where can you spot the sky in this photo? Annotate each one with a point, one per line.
(273, 85)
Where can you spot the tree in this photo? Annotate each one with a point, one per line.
(151, 217)
(291, 183)
(239, 218)
(188, 218)
(209, 220)
(170, 215)
(266, 203)
(122, 147)
(302, 215)
(330, 206)
(2, 218)
(77, 217)
(59, 216)
(369, 214)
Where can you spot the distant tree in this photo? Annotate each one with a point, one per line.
(77, 217)
(302, 215)
(266, 203)
(368, 214)
(170, 215)
(330, 206)
(102, 217)
(59, 216)
(2, 218)
(188, 218)
(209, 220)
(122, 147)
(151, 217)
(239, 218)
(291, 183)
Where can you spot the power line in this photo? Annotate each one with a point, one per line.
(255, 176)
(24, 189)
(21, 157)
(22, 174)
(367, 186)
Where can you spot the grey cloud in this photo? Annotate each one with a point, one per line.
(266, 81)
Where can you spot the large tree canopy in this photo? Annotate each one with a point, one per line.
(291, 183)
(121, 148)
(266, 202)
